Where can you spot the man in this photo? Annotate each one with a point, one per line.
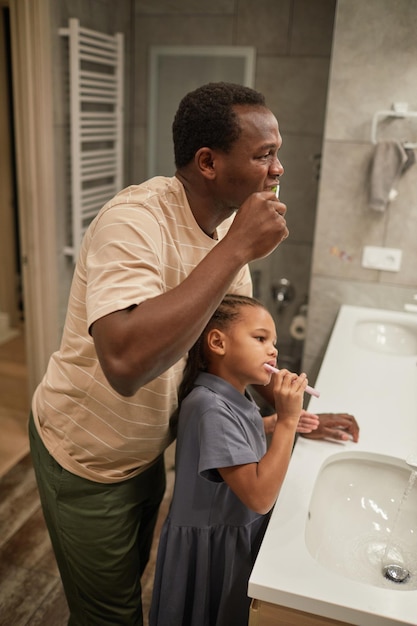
(153, 266)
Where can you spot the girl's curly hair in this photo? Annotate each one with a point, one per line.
(197, 361)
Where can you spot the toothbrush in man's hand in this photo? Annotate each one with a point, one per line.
(310, 390)
(276, 190)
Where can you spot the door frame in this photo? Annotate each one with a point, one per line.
(31, 45)
(9, 301)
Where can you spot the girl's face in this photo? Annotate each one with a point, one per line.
(249, 343)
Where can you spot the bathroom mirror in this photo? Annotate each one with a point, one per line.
(176, 70)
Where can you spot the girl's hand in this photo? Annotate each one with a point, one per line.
(308, 422)
(289, 391)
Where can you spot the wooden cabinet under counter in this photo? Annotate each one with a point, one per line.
(268, 614)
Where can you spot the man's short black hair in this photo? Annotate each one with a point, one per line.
(205, 117)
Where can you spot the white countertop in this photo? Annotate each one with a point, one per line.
(381, 392)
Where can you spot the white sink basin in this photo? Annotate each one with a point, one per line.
(386, 337)
(353, 514)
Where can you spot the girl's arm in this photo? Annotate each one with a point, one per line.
(257, 485)
(307, 423)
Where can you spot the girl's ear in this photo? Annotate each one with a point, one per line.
(204, 160)
(216, 341)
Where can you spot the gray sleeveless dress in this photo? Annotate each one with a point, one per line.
(210, 539)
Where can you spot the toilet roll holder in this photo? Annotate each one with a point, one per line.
(283, 293)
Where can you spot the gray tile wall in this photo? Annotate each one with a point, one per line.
(373, 65)
(293, 43)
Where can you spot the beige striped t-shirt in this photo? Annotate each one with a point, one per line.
(144, 242)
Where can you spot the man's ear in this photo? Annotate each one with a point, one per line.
(216, 341)
(204, 160)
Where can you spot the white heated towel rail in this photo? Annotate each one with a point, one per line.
(96, 112)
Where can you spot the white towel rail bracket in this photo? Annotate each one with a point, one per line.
(398, 111)
(96, 63)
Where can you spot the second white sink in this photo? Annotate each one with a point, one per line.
(387, 337)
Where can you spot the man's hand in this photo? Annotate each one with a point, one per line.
(339, 426)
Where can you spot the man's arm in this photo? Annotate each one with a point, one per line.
(136, 345)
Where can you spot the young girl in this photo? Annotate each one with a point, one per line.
(226, 480)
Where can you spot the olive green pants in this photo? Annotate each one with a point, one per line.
(101, 535)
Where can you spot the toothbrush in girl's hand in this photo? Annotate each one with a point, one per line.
(309, 389)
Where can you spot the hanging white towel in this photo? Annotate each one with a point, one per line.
(389, 163)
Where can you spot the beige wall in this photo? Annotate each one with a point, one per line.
(373, 65)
